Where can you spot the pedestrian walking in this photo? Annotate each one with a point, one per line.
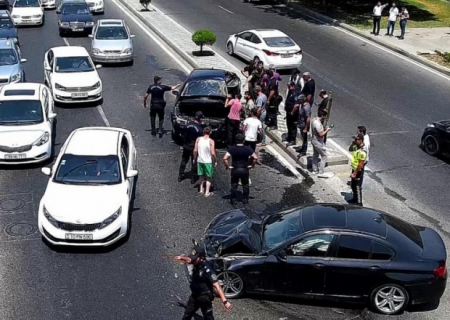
(252, 130)
(157, 104)
(272, 100)
(203, 284)
(376, 14)
(304, 121)
(205, 157)
(261, 101)
(359, 156)
(193, 131)
(404, 17)
(249, 103)
(291, 107)
(393, 15)
(243, 159)
(234, 117)
(309, 89)
(318, 144)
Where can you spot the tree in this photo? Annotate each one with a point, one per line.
(203, 37)
(145, 4)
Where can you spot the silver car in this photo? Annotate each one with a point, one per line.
(111, 42)
(11, 69)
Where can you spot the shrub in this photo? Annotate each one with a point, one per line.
(446, 56)
(145, 3)
(203, 37)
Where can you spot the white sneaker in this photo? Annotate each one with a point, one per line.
(315, 172)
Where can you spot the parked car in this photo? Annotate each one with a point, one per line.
(204, 90)
(74, 17)
(90, 189)
(7, 28)
(326, 251)
(11, 68)
(270, 46)
(28, 13)
(112, 42)
(48, 4)
(27, 123)
(436, 138)
(96, 6)
(71, 75)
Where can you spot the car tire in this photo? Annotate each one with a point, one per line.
(130, 63)
(431, 145)
(389, 299)
(232, 284)
(230, 49)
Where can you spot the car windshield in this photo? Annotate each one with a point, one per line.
(88, 170)
(20, 112)
(75, 9)
(205, 87)
(27, 3)
(111, 33)
(6, 23)
(281, 228)
(279, 42)
(73, 64)
(7, 57)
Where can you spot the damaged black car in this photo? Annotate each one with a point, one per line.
(328, 251)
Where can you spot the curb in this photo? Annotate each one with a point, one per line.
(337, 23)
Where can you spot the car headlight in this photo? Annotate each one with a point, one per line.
(96, 86)
(111, 218)
(50, 218)
(16, 40)
(128, 50)
(15, 16)
(64, 24)
(37, 16)
(42, 139)
(95, 50)
(60, 87)
(15, 77)
(89, 24)
(430, 125)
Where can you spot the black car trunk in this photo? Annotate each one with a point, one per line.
(433, 246)
(211, 107)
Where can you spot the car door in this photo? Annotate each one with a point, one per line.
(242, 42)
(127, 159)
(253, 46)
(48, 67)
(360, 263)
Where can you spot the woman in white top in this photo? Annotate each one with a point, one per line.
(205, 156)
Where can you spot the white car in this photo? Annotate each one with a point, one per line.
(48, 4)
(96, 6)
(88, 195)
(270, 46)
(72, 75)
(26, 123)
(28, 12)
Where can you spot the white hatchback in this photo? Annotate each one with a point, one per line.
(270, 46)
(26, 123)
(88, 196)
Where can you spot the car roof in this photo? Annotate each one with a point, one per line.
(269, 33)
(23, 91)
(69, 51)
(110, 22)
(95, 141)
(73, 1)
(204, 73)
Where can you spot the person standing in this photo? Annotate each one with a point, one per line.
(272, 99)
(323, 105)
(193, 131)
(261, 101)
(297, 78)
(242, 160)
(234, 116)
(157, 104)
(291, 107)
(359, 156)
(249, 103)
(255, 77)
(318, 144)
(404, 17)
(252, 130)
(205, 157)
(393, 14)
(363, 130)
(249, 70)
(203, 284)
(304, 121)
(309, 89)
(376, 14)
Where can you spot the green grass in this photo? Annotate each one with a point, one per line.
(423, 13)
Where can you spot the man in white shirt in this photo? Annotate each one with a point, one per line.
(393, 14)
(376, 14)
(318, 144)
(252, 129)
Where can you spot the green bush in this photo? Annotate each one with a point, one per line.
(446, 56)
(145, 3)
(203, 37)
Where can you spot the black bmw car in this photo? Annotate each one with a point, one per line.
(74, 17)
(436, 138)
(204, 90)
(329, 251)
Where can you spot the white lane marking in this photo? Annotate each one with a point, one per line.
(66, 42)
(284, 162)
(226, 9)
(155, 39)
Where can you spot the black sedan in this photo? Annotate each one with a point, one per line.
(436, 138)
(329, 251)
(74, 17)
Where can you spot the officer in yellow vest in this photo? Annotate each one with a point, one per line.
(359, 157)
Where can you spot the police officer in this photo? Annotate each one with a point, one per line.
(203, 283)
(359, 156)
(292, 107)
(157, 103)
(193, 131)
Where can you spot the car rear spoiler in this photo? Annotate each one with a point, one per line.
(433, 245)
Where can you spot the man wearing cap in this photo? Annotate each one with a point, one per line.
(203, 283)
(359, 156)
(192, 131)
(157, 104)
(291, 107)
(309, 88)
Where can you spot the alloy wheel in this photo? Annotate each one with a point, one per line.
(431, 145)
(232, 284)
(230, 49)
(390, 299)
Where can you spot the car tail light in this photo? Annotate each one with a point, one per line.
(440, 272)
(270, 53)
(299, 52)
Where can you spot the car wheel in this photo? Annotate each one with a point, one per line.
(431, 145)
(232, 284)
(230, 49)
(389, 299)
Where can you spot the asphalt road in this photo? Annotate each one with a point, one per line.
(136, 279)
(393, 98)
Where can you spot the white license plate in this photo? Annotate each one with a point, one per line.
(288, 55)
(80, 95)
(15, 156)
(26, 21)
(77, 29)
(75, 236)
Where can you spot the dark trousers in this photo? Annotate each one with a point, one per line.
(233, 130)
(356, 185)
(160, 113)
(403, 28)
(304, 146)
(291, 124)
(376, 25)
(240, 174)
(251, 144)
(188, 154)
(391, 24)
(272, 114)
(203, 302)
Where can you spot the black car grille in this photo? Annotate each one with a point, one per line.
(15, 149)
(78, 227)
(77, 24)
(112, 51)
(26, 17)
(79, 89)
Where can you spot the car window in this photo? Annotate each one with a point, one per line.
(75, 9)
(111, 33)
(255, 39)
(354, 247)
(280, 229)
(312, 246)
(380, 252)
(26, 3)
(124, 149)
(279, 42)
(246, 36)
(20, 112)
(73, 64)
(8, 57)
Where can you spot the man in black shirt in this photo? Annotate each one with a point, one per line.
(192, 131)
(309, 89)
(203, 283)
(243, 159)
(157, 103)
(272, 100)
(291, 107)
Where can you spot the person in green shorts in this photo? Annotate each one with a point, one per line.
(205, 157)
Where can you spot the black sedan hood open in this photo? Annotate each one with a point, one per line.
(233, 232)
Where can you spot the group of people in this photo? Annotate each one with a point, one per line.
(394, 15)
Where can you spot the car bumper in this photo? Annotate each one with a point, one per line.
(97, 8)
(67, 30)
(35, 155)
(427, 293)
(75, 97)
(284, 63)
(110, 58)
(28, 22)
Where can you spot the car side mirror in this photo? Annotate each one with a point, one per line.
(282, 256)
(23, 60)
(132, 173)
(46, 170)
(98, 66)
(52, 115)
(132, 36)
(90, 35)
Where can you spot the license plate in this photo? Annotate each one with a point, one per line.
(80, 95)
(26, 21)
(15, 156)
(74, 236)
(77, 29)
(288, 55)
